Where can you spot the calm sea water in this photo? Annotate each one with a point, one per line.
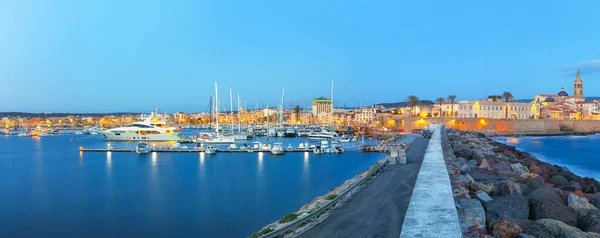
(578, 153)
(48, 188)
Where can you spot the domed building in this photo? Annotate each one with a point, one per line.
(563, 96)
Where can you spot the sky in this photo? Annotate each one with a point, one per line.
(116, 56)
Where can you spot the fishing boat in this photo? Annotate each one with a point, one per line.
(142, 148)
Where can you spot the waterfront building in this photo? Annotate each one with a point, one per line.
(321, 109)
(562, 95)
(364, 115)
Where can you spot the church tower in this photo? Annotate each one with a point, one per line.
(578, 86)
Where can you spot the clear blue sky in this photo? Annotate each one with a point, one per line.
(107, 56)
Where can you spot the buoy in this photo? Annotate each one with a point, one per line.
(70, 139)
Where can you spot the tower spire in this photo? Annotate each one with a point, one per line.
(578, 87)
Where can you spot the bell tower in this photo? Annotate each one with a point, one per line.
(578, 86)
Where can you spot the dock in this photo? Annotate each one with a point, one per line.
(194, 150)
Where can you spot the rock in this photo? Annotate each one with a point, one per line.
(556, 211)
(560, 229)
(482, 196)
(460, 192)
(577, 202)
(510, 188)
(529, 175)
(519, 168)
(516, 206)
(589, 220)
(571, 186)
(465, 168)
(558, 180)
(489, 188)
(484, 164)
(472, 163)
(506, 229)
(472, 217)
(530, 227)
(579, 193)
(523, 235)
(501, 166)
(535, 169)
(547, 203)
(595, 201)
(535, 183)
(546, 193)
(590, 188)
(478, 176)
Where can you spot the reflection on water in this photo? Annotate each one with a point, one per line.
(305, 167)
(109, 160)
(260, 163)
(513, 140)
(80, 158)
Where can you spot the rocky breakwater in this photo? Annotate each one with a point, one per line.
(503, 192)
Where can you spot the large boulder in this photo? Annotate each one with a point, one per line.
(560, 229)
(501, 166)
(547, 203)
(472, 217)
(558, 180)
(519, 168)
(530, 227)
(484, 164)
(577, 202)
(515, 206)
(510, 188)
(505, 228)
(589, 220)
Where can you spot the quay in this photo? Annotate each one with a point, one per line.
(194, 150)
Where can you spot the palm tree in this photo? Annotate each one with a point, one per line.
(413, 101)
(297, 111)
(507, 96)
(440, 100)
(451, 98)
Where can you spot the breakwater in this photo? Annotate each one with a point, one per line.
(504, 192)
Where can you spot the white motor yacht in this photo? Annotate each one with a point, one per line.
(210, 150)
(147, 130)
(277, 148)
(142, 148)
(324, 134)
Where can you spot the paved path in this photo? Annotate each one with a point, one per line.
(432, 212)
(379, 209)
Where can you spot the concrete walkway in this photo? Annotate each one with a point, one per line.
(432, 212)
(379, 209)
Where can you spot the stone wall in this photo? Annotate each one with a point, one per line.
(500, 125)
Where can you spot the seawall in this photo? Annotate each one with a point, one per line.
(432, 212)
(508, 126)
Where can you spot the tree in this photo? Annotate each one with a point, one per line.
(413, 101)
(451, 98)
(297, 111)
(507, 96)
(440, 100)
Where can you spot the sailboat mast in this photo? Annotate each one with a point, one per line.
(231, 108)
(217, 107)
(281, 110)
(239, 115)
(332, 127)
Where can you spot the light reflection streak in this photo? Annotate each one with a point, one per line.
(109, 160)
(260, 163)
(306, 163)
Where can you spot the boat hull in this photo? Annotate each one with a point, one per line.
(110, 136)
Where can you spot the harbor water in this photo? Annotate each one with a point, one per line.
(49, 189)
(578, 153)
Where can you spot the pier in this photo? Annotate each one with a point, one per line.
(194, 150)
